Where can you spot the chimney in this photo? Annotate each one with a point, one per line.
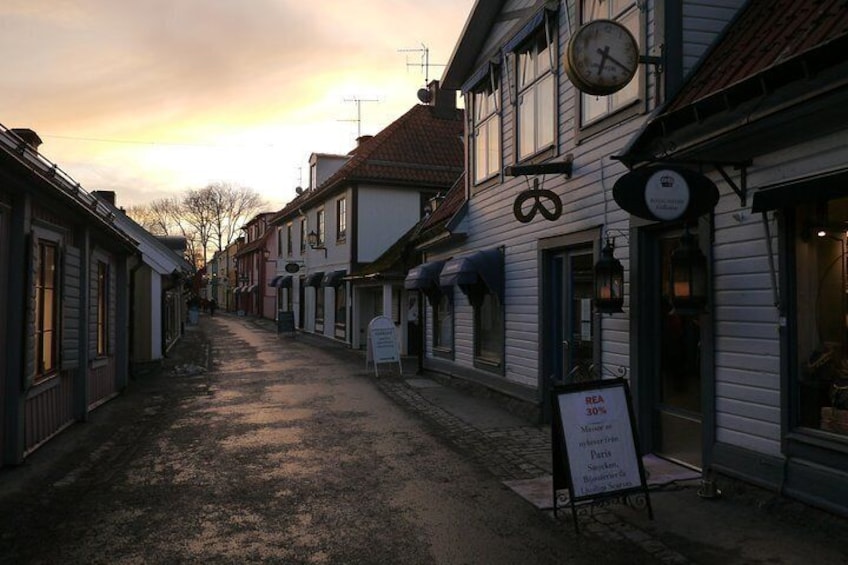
(105, 196)
(444, 101)
(30, 137)
(362, 139)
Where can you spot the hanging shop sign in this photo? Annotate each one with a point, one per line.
(665, 193)
(292, 267)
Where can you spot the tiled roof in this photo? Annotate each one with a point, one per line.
(764, 34)
(423, 148)
(435, 222)
(774, 60)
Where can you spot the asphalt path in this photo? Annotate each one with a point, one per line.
(280, 452)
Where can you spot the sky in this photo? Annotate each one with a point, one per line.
(151, 98)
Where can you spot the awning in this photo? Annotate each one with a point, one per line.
(315, 279)
(275, 281)
(333, 278)
(791, 193)
(424, 277)
(251, 288)
(238, 289)
(480, 267)
(284, 282)
(529, 28)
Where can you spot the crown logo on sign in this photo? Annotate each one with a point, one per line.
(667, 181)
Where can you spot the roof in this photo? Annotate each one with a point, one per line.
(422, 148)
(780, 62)
(437, 222)
(764, 34)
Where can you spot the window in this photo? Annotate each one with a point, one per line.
(303, 235)
(593, 108)
(289, 240)
(488, 329)
(279, 242)
(443, 323)
(321, 228)
(102, 308)
(319, 308)
(487, 128)
(536, 87)
(341, 219)
(341, 311)
(46, 309)
(821, 272)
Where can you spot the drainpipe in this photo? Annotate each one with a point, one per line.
(132, 313)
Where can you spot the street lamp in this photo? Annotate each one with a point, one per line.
(315, 243)
(609, 281)
(688, 277)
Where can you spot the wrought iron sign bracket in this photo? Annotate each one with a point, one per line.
(741, 189)
(557, 168)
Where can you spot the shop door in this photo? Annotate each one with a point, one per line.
(677, 414)
(567, 311)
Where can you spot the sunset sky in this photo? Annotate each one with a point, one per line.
(153, 97)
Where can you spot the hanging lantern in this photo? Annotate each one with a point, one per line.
(688, 277)
(609, 282)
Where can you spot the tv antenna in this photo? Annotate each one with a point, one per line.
(425, 63)
(358, 120)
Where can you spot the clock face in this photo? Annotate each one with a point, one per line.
(602, 57)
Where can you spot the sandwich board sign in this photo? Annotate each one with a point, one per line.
(382, 344)
(595, 447)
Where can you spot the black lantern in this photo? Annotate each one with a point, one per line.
(609, 281)
(688, 277)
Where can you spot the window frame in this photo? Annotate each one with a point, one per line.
(289, 239)
(529, 50)
(340, 310)
(304, 234)
(321, 227)
(493, 362)
(486, 97)
(43, 370)
(615, 113)
(341, 219)
(102, 301)
(440, 346)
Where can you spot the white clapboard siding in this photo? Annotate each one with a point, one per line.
(703, 21)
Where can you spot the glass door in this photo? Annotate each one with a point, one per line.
(677, 407)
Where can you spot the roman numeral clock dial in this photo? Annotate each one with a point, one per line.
(601, 58)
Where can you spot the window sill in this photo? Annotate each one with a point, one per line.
(486, 183)
(611, 120)
(537, 157)
(99, 362)
(488, 364)
(443, 353)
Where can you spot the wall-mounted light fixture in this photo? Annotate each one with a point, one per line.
(688, 277)
(609, 281)
(315, 243)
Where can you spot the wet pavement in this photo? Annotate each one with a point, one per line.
(254, 447)
(251, 448)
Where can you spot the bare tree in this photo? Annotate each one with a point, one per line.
(234, 206)
(210, 218)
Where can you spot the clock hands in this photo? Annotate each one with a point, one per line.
(605, 55)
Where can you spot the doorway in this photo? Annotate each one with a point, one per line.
(671, 345)
(567, 311)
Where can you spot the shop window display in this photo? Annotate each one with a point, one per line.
(822, 305)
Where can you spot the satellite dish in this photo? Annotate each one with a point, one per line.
(424, 95)
(299, 190)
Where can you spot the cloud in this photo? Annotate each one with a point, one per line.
(265, 76)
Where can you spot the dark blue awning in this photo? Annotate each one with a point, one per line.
(275, 281)
(333, 278)
(282, 281)
(315, 279)
(480, 267)
(424, 276)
